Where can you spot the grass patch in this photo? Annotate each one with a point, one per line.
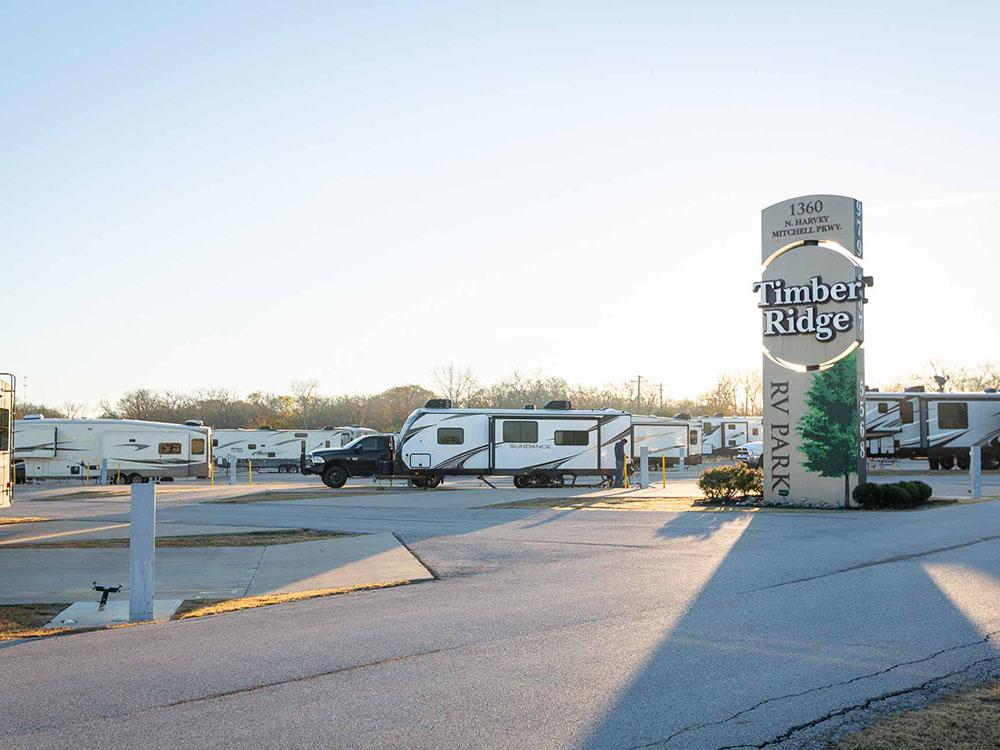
(204, 607)
(240, 539)
(26, 519)
(26, 620)
(969, 720)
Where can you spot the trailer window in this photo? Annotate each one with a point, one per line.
(520, 432)
(302, 434)
(756, 430)
(197, 446)
(252, 446)
(169, 449)
(4, 429)
(572, 437)
(451, 435)
(215, 442)
(730, 427)
(883, 407)
(693, 437)
(953, 416)
(906, 412)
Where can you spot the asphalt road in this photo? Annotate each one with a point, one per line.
(596, 629)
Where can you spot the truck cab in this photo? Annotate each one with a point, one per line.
(366, 456)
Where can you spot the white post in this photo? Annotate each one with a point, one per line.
(104, 471)
(644, 467)
(680, 460)
(976, 470)
(142, 546)
(232, 471)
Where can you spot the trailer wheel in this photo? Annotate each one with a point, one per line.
(420, 482)
(335, 477)
(964, 462)
(522, 481)
(432, 481)
(947, 463)
(133, 479)
(539, 480)
(933, 464)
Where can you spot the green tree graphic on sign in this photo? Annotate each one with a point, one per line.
(828, 430)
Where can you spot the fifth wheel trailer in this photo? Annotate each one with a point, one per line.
(135, 450)
(278, 449)
(939, 427)
(723, 436)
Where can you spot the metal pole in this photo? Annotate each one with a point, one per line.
(644, 467)
(976, 470)
(663, 469)
(680, 460)
(142, 547)
(232, 471)
(104, 471)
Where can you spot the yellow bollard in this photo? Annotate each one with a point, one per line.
(250, 471)
(663, 469)
(118, 476)
(625, 476)
(211, 472)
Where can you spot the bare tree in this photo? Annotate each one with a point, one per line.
(456, 383)
(304, 392)
(73, 409)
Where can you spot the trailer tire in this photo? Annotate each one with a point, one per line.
(432, 481)
(933, 464)
(947, 463)
(522, 481)
(539, 480)
(335, 477)
(964, 462)
(133, 479)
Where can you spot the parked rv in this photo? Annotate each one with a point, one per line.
(283, 450)
(7, 470)
(135, 450)
(939, 427)
(723, 436)
(667, 437)
(537, 447)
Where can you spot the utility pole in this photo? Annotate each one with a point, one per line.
(638, 392)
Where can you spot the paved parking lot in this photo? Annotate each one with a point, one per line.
(544, 628)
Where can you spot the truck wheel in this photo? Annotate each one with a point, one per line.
(947, 463)
(334, 477)
(432, 482)
(522, 481)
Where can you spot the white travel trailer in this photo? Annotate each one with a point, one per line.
(135, 450)
(723, 436)
(940, 427)
(666, 437)
(278, 449)
(6, 443)
(538, 447)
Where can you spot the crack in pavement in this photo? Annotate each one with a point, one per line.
(843, 711)
(696, 727)
(874, 563)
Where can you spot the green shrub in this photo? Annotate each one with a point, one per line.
(729, 482)
(925, 491)
(868, 495)
(897, 496)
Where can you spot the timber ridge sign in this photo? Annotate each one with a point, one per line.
(811, 297)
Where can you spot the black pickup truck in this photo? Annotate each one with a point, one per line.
(371, 456)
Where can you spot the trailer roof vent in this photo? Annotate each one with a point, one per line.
(265, 427)
(194, 423)
(682, 415)
(438, 403)
(529, 406)
(33, 416)
(560, 405)
(990, 390)
(915, 389)
(718, 414)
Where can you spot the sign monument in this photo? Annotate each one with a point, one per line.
(811, 295)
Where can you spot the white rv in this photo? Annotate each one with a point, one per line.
(538, 447)
(278, 449)
(940, 427)
(135, 450)
(723, 436)
(666, 437)
(6, 443)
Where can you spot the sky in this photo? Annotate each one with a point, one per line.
(244, 195)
